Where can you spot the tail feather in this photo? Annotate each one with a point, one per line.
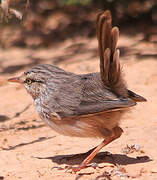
(110, 69)
(115, 36)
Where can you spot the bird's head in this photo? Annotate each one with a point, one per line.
(36, 79)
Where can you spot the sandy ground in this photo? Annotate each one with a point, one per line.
(30, 150)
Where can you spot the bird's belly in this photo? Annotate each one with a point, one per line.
(98, 126)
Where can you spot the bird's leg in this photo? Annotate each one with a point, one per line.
(117, 133)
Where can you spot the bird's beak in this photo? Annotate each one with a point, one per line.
(15, 79)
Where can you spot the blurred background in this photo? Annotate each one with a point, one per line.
(46, 22)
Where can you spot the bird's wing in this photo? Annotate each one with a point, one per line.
(87, 95)
(96, 98)
(106, 106)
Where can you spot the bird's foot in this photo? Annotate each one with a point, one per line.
(73, 169)
(80, 167)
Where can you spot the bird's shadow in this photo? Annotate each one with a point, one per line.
(115, 159)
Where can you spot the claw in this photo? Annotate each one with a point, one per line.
(73, 169)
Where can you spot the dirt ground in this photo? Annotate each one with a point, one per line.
(30, 150)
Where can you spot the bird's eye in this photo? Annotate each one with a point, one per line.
(28, 81)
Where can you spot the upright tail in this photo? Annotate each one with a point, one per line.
(110, 69)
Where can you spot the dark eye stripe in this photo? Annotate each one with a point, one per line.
(38, 81)
(33, 80)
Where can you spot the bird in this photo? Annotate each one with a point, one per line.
(84, 105)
